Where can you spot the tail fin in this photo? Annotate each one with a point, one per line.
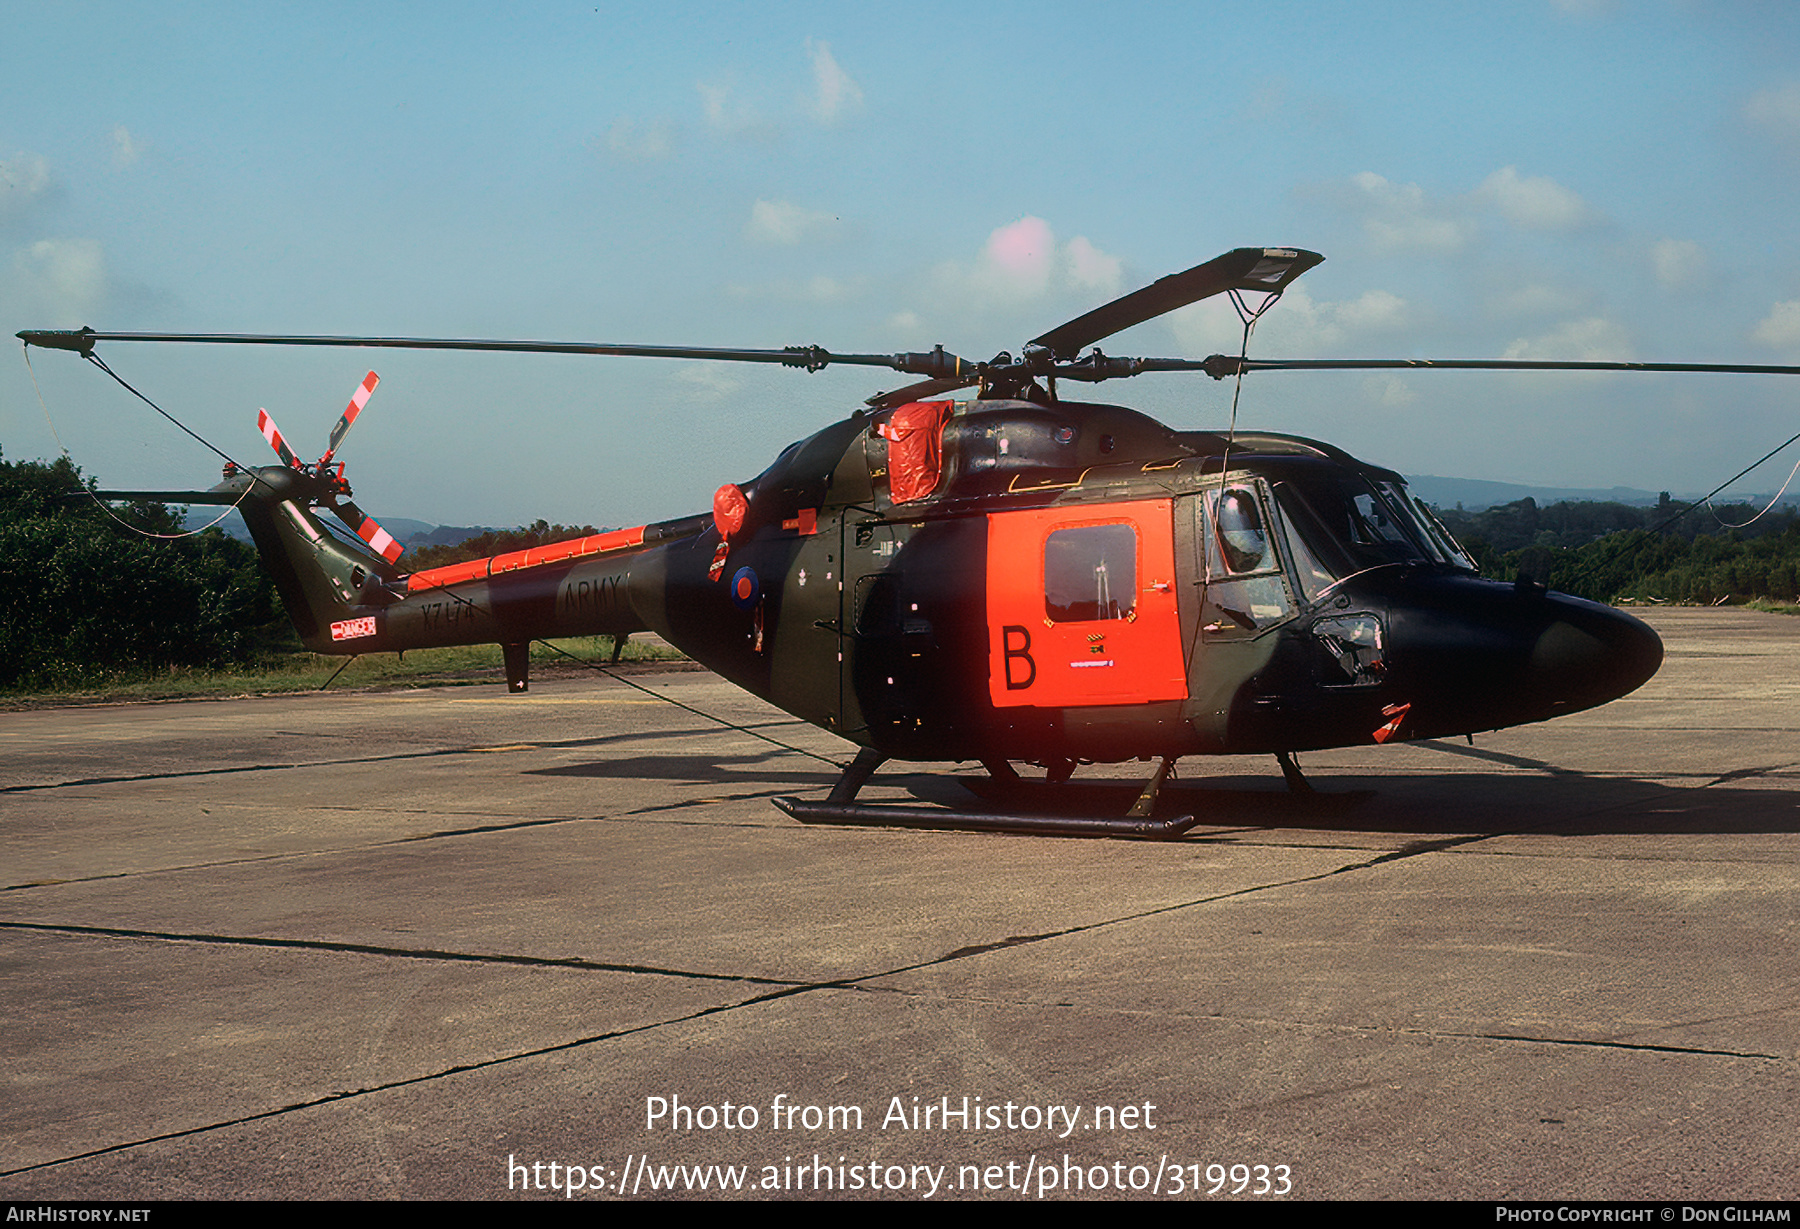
(322, 579)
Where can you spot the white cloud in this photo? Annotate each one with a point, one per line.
(1022, 261)
(1592, 340)
(126, 149)
(1679, 263)
(22, 180)
(1297, 325)
(1584, 8)
(729, 115)
(1537, 203)
(708, 381)
(820, 289)
(1781, 327)
(1404, 217)
(1400, 216)
(835, 94)
(1018, 258)
(60, 283)
(640, 142)
(1538, 299)
(713, 99)
(1389, 390)
(1090, 268)
(1776, 110)
(746, 113)
(1376, 311)
(786, 224)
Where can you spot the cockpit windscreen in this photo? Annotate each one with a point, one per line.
(1348, 523)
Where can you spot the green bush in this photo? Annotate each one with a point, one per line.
(84, 598)
(1700, 562)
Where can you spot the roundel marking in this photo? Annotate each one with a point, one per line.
(745, 589)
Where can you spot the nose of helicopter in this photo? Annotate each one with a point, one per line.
(1472, 654)
(1587, 654)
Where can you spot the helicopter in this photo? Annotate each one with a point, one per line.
(1012, 578)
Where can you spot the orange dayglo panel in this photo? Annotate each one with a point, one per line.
(450, 574)
(1081, 606)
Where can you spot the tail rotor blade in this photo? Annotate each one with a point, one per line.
(380, 540)
(349, 418)
(272, 433)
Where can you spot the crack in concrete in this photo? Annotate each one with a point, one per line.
(388, 1086)
(1743, 773)
(788, 989)
(1603, 1045)
(440, 834)
(563, 744)
(1350, 1029)
(401, 953)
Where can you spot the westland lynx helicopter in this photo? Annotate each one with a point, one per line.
(1012, 578)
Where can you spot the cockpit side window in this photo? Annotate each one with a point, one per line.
(1245, 587)
(1242, 539)
(1239, 543)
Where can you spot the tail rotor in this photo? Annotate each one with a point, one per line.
(335, 493)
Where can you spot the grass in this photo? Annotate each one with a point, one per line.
(458, 666)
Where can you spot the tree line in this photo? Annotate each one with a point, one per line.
(493, 542)
(1612, 552)
(83, 598)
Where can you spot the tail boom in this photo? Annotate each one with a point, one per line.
(343, 600)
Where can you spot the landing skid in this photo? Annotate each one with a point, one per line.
(841, 807)
(874, 815)
(1056, 806)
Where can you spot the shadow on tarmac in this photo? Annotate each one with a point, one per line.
(1560, 801)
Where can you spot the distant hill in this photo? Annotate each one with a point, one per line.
(1474, 494)
(1470, 494)
(406, 530)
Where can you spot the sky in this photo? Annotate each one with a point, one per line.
(1582, 179)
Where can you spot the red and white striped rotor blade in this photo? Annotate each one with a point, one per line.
(349, 417)
(380, 540)
(272, 433)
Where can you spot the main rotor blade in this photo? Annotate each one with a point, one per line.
(225, 498)
(924, 390)
(1265, 269)
(1221, 365)
(934, 363)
